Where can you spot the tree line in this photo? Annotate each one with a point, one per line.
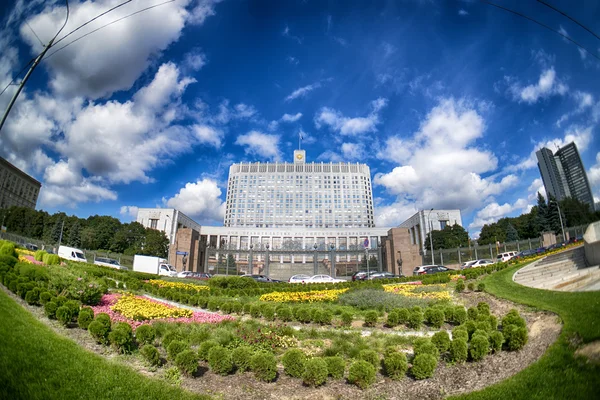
(98, 232)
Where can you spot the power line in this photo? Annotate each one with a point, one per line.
(566, 15)
(17, 75)
(62, 27)
(31, 29)
(541, 24)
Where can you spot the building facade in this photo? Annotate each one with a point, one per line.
(16, 187)
(564, 175)
(424, 221)
(299, 194)
(167, 220)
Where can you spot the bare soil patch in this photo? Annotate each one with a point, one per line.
(591, 351)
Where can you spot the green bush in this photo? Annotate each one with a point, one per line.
(32, 297)
(246, 308)
(346, 318)
(170, 336)
(496, 341)
(268, 312)
(369, 356)
(473, 313)
(99, 331)
(423, 366)
(460, 286)
(241, 357)
(145, 334)
(264, 366)
(513, 318)
(64, 315)
(85, 318)
(219, 360)
(493, 322)
(459, 316)
(294, 361)
(481, 287)
(231, 282)
(51, 259)
(74, 305)
(471, 327)
(9, 260)
(151, 355)
(471, 286)
(205, 347)
(434, 317)
(176, 347)
(45, 297)
(392, 319)
(121, 337)
(39, 255)
(415, 318)
(483, 308)
(362, 374)
(460, 332)
(302, 314)
(403, 315)
(395, 364)
(315, 372)
(479, 348)
(322, 317)
(515, 337)
(336, 366)
(441, 340)
(255, 311)
(458, 350)
(377, 299)
(8, 249)
(187, 361)
(104, 319)
(285, 313)
(425, 346)
(226, 308)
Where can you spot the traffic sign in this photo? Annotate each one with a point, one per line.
(181, 253)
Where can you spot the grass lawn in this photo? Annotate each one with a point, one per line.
(558, 374)
(36, 363)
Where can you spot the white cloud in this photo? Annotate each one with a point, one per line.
(291, 117)
(303, 91)
(463, 12)
(62, 174)
(286, 33)
(594, 177)
(440, 166)
(330, 156)
(209, 135)
(350, 126)
(584, 99)
(537, 186)
(129, 212)
(200, 200)
(292, 60)
(548, 85)
(563, 31)
(394, 214)
(194, 60)
(260, 144)
(494, 211)
(353, 151)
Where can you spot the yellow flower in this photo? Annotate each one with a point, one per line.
(177, 285)
(303, 297)
(138, 308)
(409, 291)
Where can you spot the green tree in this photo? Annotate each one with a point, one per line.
(156, 243)
(575, 212)
(56, 231)
(511, 233)
(231, 264)
(450, 237)
(542, 215)
(552, 217)
(74, 235)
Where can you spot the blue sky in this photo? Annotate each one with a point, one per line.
(447, 101)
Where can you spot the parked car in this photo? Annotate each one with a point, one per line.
(422, 269)
(503, 257)
(540, 250)
(261, 278)
(436, 268)
(526, 253)
(467, 264)
(299, 278)
(31, 246)
(383, 275)
(109, 262)
(481, 263)
(203, 276)
(576, 239)
(323, 279)
(184, 274)
(556, 246)
(361, 275)
(71, 253)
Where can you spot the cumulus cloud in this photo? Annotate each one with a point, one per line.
(260, 144)
(494, 211)
(548, 85)
(440, 165)
(129, 212)
(200, 200)
(303, 91)
(463, 12)
(350, 126)
(291, 117)
(194, 60)
(594, 177)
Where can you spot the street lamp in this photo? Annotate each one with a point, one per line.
(561, 223)
(267, 261)
(250, 260)
(332, 272)
(431, 237)
(315, 268)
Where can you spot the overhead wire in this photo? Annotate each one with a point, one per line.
(62, 27)
(32, 31)
(543, 25)
(568, 16)
(17, 75)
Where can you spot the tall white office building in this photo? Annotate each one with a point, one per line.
(299, 194)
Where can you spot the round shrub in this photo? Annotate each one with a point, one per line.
(423, 366)
(315, 372)
(205, 348)
(187, 361)
(64, 315)
(323, 317)
(346, 318)
(268, 312)
(496, 341)
(214, 304)
(121, 337)
(99, 331)
(85, 318)
(460, 286)
(472, 313)
(39, 255)
(371, 318)
(458, 350)
(8, 249)
(236, 307)
(369, 356)
(302, 314)
(513, 318)
(51, 259)
(459, 315)
(32, 296)
(441, 340)
(403, 315)
(241, 357)
(255, 311)
(434, 317)
(415, 318)
(336, 366)
(425, 346)
(45, 297)
(392, 319)
(176, 347)
(285, 313)
(264, 366)
(150, 354)
(471, 286)
(395, 364)
(294, 361)
(246, 308)
(471, 327)
(227, 307)
(483, 308)
(145, 334)
(460, 332)
(362, 374)
(515, 337)
(170, 336)
(481, 287)
(479, 347)
(104, 319)
(493, 322)
(219, 360)
(74, 305)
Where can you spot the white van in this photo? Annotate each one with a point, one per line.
(503, 257)
(71, 254)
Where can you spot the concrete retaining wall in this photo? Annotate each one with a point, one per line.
(591, 242)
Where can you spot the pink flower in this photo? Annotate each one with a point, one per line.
(79, 278)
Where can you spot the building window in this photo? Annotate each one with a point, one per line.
(153, 223)
(443, 224)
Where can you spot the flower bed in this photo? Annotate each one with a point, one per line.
(456, 277)
(303, 297)
(111, 304)
(29, 259)
(177, 285)
(409, 291)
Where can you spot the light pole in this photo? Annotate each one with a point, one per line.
(267, 261)
(561, 223)
(431, 237)
(250, 260)
(315, 268)
(332, 272)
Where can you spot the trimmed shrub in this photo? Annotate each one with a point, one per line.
(170, 336)
(45, 297)
(441, 340)
(85, 318)
(99, 331)
(434, 317)
(370, 356)
(496, 341)
(459, 316)
(246, 308)
(403, 315)
(104, 319)
(515, 337)
(371, 318)
(226, 307)
(362, 374)
(472, 313)
(513, 318)
(32, 297)
(219, 360)
(255, 311)
(346, 318)
(460, 286)
(336, 366)
(264, 366)
(8, 249)
(39, 255)
(187, 361)
(205, 348)
(285, 313)
(481, 287)
(268, 312)
(323, 317)
(145, 334)
(176, 347)
(151, 355)
(121, 337)
(415, 318)
(392, 319)
(458, 350)
(471, 327)
(241, 357)
(460, 332)
(64, 315)
(74, 305)
(479, 348)
(483, 308)
(51, 259)
(395, 364)
(423, 366)
(315, 372)
(237, 307)
(293, 362)
(493, 322)
(302, 314)
(471, 286)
